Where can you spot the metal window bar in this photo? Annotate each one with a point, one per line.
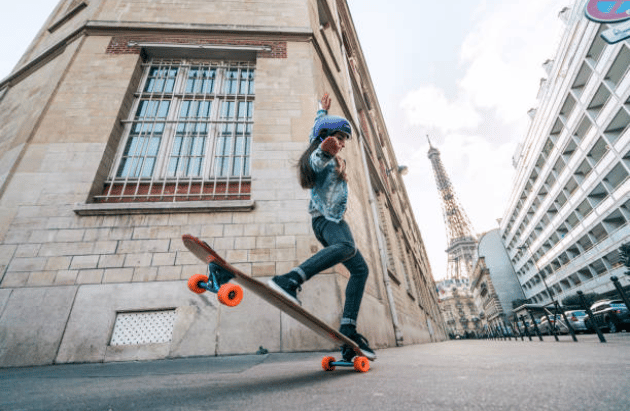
(159, 79)
(189, 137)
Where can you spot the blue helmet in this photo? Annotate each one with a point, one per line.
(328, 125)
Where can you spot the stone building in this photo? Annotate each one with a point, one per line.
(494, 284)
(457, 305)
(129, 123)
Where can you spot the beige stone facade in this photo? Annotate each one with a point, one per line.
(486, 299)
(457, 305)
(71, 264)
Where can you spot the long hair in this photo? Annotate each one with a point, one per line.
(306, 174)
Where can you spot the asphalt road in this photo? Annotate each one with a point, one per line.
(454, 375)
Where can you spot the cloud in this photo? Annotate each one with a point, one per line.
(502, 60)
(429, 107)
(503, 55)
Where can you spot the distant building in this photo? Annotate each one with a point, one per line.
(569, 211)
(458, 307)
(129, 123)
(494, 283)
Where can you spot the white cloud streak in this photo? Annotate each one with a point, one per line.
(503, 68)
(428, 106)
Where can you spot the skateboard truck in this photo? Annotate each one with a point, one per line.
(360, 364)
(217, 281)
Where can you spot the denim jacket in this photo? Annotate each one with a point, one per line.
(329, 197)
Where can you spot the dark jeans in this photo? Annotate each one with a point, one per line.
(339, 248)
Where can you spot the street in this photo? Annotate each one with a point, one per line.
(453, 375)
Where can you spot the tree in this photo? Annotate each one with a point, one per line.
(574, 300)
(624, 250)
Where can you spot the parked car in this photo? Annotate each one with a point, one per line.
(521, 328)
(611, 315)
(577, 319)
(530, 326)
(546, 327)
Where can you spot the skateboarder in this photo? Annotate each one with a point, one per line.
(322, 170)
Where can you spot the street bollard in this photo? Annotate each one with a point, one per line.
(520, 333)
(536, 326)
(552, 328)
(569, 326)
(525, 327)
(515, 331)
(619, 288)
(590, 316)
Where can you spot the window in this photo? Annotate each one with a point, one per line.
(385, 232)
(618, 68)
(597, 47)
(599, 150)
(616, 176)
(617, 126)
(581, 79)
(567, 107)
(188, 136)
(582, 129)
(599, 100)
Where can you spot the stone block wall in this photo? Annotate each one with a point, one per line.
(65, 274)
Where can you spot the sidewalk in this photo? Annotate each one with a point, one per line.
(454, 375)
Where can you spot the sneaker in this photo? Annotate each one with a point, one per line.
(287, 287)
(348, 353)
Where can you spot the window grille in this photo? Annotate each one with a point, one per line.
(188, 137)
(384, 227)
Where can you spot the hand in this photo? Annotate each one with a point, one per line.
(332, 145)
(325, 102)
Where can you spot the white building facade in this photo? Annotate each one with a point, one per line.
(569, 211)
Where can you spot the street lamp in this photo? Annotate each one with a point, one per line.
(402, 170)
(526, 247)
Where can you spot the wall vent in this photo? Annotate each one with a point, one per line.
(146, 327)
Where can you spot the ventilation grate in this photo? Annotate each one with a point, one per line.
(152, 327)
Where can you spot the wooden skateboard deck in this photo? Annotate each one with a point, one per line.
(220, 272)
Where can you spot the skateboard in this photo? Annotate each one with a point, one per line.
(217, 280)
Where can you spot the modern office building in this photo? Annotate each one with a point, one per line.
(569, 211)
(127, 124)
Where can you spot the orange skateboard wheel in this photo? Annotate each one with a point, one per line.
(361, 364)
(326, 363)
(230, 295)
(193, 283)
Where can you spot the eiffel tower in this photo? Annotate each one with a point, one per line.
(462, 244)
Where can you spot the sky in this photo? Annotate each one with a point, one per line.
(464, 72)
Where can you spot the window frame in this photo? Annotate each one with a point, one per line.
(219, 99)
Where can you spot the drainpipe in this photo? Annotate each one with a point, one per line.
(381, 246)
(383, 252)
